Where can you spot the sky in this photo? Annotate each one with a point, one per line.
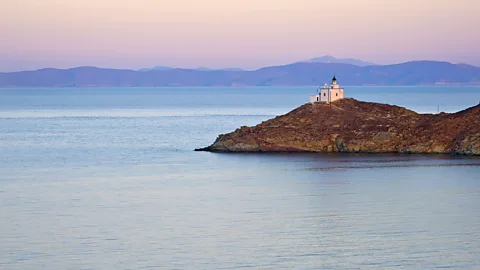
(249, 34)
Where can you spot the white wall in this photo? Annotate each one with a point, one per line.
(324, 95)
(335, 94)
(315, 98)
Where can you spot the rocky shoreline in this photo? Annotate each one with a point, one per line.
(352, 126)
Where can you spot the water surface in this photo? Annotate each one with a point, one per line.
(105, 178)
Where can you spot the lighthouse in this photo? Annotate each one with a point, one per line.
(328, 93)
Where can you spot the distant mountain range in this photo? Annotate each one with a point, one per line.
(331, 59)
(156, 68)
(301, 73)
(323, 59)
(200, 69)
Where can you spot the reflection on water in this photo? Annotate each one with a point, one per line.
(128, 192)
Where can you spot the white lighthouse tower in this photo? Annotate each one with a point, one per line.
(328, 93)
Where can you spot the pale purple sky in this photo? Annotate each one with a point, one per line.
(233, 33)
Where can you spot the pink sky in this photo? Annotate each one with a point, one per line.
(233, 33)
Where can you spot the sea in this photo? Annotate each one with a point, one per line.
(106, 178)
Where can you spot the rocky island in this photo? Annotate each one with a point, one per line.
(352, 126)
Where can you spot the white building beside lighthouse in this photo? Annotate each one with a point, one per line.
(328, 93)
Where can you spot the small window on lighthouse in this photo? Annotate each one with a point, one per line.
(336, 94)
(324, 94)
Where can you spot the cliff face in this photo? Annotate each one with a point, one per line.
(349, 125)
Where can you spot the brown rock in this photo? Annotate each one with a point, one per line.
(349, 125)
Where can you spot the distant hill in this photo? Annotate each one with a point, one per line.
(156, 68)
(220, 69)
(331, 59)
(231, 69)
(410, 73)
(200, 69)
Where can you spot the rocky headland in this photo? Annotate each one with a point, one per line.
(353, 126)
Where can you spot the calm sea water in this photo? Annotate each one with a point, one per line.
(105, 178)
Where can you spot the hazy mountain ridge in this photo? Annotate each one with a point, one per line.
(156, 68)
(409, 73)
(331, 59)
(322, 59)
